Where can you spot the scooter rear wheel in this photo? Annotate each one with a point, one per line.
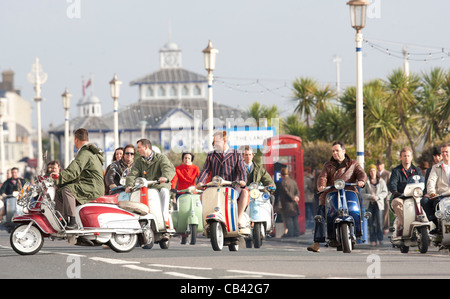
(28, 244)
(123, 243)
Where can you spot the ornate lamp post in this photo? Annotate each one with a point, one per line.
(210, 64)
(38, 77)
(115, 93)
(66, 96)
(358, 21)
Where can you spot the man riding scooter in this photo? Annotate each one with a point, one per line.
(340, 166)
(82, 181)
(152, 166)
(398, 181)
(229, 165)
(438, 183)
(255, 172)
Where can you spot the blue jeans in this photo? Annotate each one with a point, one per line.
(375, 223)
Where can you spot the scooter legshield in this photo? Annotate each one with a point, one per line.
(353, 211)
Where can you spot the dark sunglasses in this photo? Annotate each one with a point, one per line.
(129, 154)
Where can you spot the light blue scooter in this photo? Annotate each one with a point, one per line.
(260, 211)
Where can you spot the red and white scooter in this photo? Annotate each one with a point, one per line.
(105, 220)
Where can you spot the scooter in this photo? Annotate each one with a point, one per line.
(415, 221)
(11, 210)
(260, 211)
(161, 232)
(442, 237)
(343, 217)
(187, 218)
(105, 220)
(220, 215)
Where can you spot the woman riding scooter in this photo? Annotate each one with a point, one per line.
(185, 177)
(186, 173)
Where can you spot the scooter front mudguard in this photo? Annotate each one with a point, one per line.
(39, 220)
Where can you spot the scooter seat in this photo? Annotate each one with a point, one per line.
(108, 199)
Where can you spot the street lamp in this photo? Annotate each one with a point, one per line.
(66, 105)
(115, 93)
(209, 54)
(358, 21)
(3, 111)
(38, 77)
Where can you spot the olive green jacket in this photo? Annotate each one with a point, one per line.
(259, 174)
(158, 166)
(84, 175)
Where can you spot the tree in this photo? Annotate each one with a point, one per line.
(401, 91)
(258, 111)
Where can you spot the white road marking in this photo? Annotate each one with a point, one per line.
(113, 261)
(135, 267)
(266, 273)
(180, 267)
(177, 274)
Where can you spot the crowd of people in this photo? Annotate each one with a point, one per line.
(84, 180)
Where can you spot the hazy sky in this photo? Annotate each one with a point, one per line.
(263, 44)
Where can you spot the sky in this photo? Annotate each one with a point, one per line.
(264, 45)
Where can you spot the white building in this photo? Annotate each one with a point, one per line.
(17, 128)
(171, 111)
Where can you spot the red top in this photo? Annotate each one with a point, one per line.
(185, 176)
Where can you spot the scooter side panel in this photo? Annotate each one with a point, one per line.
(106, 216)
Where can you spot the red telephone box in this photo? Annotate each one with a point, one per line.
(287, 150)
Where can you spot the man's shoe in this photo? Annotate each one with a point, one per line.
(314, 247)
(71, 224)
(333, 243)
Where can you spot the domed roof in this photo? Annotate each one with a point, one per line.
(89, 100)
(170, 46)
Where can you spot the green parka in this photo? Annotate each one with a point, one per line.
(259, 174)
(158, 166)
(84, 175)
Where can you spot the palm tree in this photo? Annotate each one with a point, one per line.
(304, 89)
(432, 99)
(293, 126)
(381, 122)
(258, 111)
(401, 91)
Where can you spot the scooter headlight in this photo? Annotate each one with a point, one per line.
(253, 186)
(417, 192)
(141, 182)
(439, 214)
(217, 180)
(339, 184)
(254, 193)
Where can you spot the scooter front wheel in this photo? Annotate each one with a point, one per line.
(216, 236)
(346, 242)
(123, 243)
(29, 243)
